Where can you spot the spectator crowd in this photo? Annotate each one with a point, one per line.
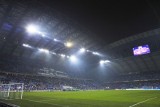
(37, 82)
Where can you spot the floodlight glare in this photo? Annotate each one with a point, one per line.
(103, 61)
(69, 44)
(95, 53)
(106, 61)
(82, 50)
(73, 58)
(26, 45)
(53, 53)
(43, 35)
(55, 40)
(44, 50)
(62, 55)
(32, 29)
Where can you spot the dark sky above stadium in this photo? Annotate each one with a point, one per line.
(111, 20)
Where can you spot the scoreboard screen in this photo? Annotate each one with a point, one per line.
(140, 50)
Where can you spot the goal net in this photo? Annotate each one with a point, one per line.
(11, 91)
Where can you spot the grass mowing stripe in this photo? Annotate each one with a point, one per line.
(142, 101)
(68, 100)
(40, 100)
(78, 102)
(46, 103)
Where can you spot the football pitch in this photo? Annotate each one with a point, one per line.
(101, 98)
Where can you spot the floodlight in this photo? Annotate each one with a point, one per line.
(26, 45)
(103, 61)
(106, 61)
(95, 53)
(44, 50)
(73, 58)
(69, 44)
(62, 55)
(55, 40)
(32, 29)
(53, 53)
(82, 50)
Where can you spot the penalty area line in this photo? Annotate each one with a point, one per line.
(46, 102)
(142, 101)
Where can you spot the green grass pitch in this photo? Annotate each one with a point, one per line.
(101, 98)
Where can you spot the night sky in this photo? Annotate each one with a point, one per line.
(111, 20)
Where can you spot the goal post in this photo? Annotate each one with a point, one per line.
(11, 91)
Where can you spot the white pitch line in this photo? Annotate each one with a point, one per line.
(142, 101)
(46, 103)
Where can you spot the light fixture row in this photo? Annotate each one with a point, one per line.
(34, 29)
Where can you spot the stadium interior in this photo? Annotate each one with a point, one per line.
(52, 56)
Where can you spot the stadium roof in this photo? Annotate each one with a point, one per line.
(15, 16)
(56, 29)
